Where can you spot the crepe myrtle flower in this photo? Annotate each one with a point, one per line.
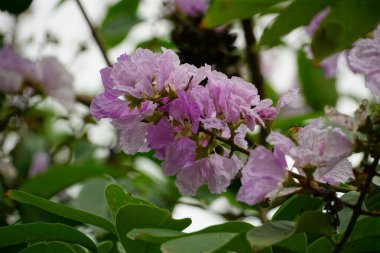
(364, 57)
(182, 112)
(262, 176)
(322, 150)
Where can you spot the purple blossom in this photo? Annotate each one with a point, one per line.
(192, 8)
(364, 57)
(173, 106)
(48, 73)
(216, 171)
(263, 175)
(325, 149)
(40, 162)
(57, 82)
(13, 69)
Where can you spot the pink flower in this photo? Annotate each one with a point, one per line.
(364, 57)
(216, 171)
(324, 149)
(263, 175)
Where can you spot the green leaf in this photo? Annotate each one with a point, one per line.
(15, 7)
(154, 235)
(365, 228)
(294, 244)
(231, 226)
(321, 245)
(62, 210)
(117, 197)
(285, 123)
(156, 44)
(296, 205)
(315, 222)
(34, 232)
(135, 216)
(317, 90)
(224, 11)
(120, 18)
(48, 247)
(197, 243)
(339, 29)
(270, 234)
(105, 247)
(370, 245)
(298, 13)
(49, 183)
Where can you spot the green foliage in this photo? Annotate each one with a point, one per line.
(117, 198)
(62, 210)
(48, 247)
(346, 22)
(270, 234)
(156, 44)
(120, 19)
(15, 7)
(35, 232)
(318, 90)
(298, 13)
(224, 11)
(296, 205)
(133, 216)
(49, 183)
(276, 232)
(209, 242)
(321, 245)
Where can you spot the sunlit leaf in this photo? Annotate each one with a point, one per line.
(50, 182)
(120, 18)
(224, 11)
(346, 22)
(298, 13)
(208, 242)
(318, 90)
(62, 210)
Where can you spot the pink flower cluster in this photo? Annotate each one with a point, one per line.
(181, 112)
(48, 75)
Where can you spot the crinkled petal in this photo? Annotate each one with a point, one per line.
(340, 173)
(287, 98)
(280, 141)
(364, 57)
(262, 174)
(107, 106)
(132, 136)
(177, 155)
(159, 136)
(239, 138)
(57, 81)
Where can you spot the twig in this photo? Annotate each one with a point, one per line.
(253, 61)
(252, 57)
(95, 34)
(357, 209)
(227, 141)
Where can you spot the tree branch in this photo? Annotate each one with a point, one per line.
(357, 209)
(95, 34)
